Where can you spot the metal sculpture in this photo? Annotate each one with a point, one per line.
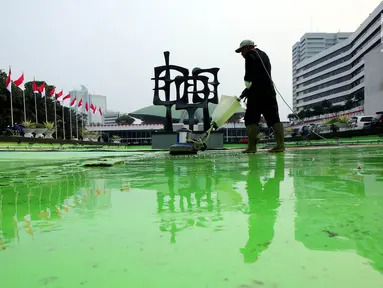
(182, 97)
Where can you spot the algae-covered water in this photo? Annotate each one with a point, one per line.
(304, 218)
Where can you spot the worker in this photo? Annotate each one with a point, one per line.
(260, 96)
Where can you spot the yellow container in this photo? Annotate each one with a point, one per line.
(227, 106)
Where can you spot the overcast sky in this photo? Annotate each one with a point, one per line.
(112, 46)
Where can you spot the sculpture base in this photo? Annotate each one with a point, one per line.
(163, 140)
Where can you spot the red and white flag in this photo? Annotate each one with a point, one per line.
(73, 103)
(93, 108)
(80, 103)
(8, 84)
(52, 92)
(60, 94)
(100, 111)
(34, 87)
(42, 89)
(66, 97)
(20, 82)
(86, 107)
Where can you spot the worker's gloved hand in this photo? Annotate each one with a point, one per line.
(243, 94)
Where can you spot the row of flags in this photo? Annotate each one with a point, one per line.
(19, 82)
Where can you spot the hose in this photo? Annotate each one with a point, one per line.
(201, 140)
(199, 143)
(275, 86)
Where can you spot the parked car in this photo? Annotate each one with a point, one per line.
(361, 122)
(296, 132)
(377, 120)
(315, 128)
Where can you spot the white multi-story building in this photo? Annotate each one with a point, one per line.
(310, 45)
(99, 101)
(81, 93)
(373, 80)
(110, 117)
(338, 72)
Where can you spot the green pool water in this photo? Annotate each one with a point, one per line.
(304, 218)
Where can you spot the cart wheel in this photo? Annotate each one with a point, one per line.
(204, 147)
(196, 146)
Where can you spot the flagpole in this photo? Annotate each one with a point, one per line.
(63, 121)
(76, 127)
(76, 110)
(83, 108)
(46, 110)
(89, 113)
(25, 109)
(55, 103)
(10, 91)
(70, 122)
(36, 107)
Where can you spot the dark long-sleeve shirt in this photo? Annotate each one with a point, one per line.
(255, 73)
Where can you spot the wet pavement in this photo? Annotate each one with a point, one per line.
(304, 218)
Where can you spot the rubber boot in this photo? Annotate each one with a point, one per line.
(279, 137)
(252, 132)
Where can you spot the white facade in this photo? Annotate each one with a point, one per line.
(80, 93)
(310, 45)
(337, 72)
(131, 127)
(99, 101)
(373, 79)
(110, 117)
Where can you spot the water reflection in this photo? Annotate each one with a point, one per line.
(199, 193)
(263, 203)
(187, 191)
(339, 200)
(36, 204)
(265, 210)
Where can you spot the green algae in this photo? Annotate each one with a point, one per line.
(304, 218)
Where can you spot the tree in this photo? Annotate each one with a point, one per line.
(326, 104)
(18, 108)
(235, 118)
(318, 110)
(349, 104)
(5, 104)
(359, 97)
(302, 114)
(336, 108)
(125, 119)
(292, 117)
